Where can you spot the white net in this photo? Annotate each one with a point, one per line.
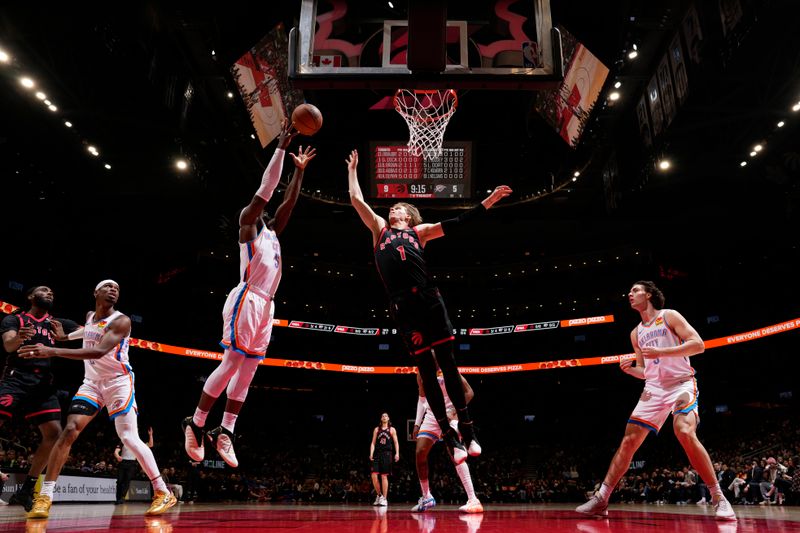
(427, 114)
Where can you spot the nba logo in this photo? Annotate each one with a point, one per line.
(530, 55)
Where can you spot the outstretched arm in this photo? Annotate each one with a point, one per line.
(117, 330)
(250, 218)
(293, 190)
(429, 232)
(368, 216)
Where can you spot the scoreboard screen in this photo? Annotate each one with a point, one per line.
(395, 173)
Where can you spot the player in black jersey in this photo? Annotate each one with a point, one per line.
(26, 385)
(415, 302)
(384, 439)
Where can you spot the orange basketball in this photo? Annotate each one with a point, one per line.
(307, 119)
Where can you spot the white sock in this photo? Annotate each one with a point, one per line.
(159, 485)
(466, 480)
(229, 421)
(47, 489)
(605, 492)
(426, 488)
(716, 492)
(199, 417)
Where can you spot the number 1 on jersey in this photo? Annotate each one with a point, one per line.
(402, 253)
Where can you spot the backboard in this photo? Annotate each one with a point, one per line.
(498, 44)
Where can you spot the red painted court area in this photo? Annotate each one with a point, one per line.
(397, 519)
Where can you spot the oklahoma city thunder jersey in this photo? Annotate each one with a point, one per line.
(260, 262)
(112, 364)
(665, 369)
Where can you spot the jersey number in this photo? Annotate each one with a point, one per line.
(402, 253)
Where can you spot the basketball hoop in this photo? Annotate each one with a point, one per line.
(427, 114)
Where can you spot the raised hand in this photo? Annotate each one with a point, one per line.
(303, 156)
(287, 134)
(500, 192)
(352, 161)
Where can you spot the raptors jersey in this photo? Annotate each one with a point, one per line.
(383, 440)
(260, 262)
(112, 364)
(400, 260)
(664, 370)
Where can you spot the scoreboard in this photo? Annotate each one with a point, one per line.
(395, 173)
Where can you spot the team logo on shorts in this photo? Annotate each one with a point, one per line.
(6, 400)
(116, 405)
(416, 338)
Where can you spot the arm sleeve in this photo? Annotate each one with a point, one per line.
(421, 407)
(464, 219)
(272, 175)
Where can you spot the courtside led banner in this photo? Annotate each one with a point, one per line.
(766, 331)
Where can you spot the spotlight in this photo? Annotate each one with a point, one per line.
(108, 167)
(614, 96)
(52, 108)
(633, 54)
(230, 94)
(181, 164)
(92, 150)
(664, 164)
(796, 107)
(743, 164)
(576, 174)
(391, 5)
(41, 96)
(4, 57)
(757, 148)
(28, 83)
(67, 123)
(753, 153)
(781, 123)
(574, 179)
(618, 85)
(47, 102)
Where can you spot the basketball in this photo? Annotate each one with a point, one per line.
(307, 119)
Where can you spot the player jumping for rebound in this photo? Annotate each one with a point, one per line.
(248, 312)
(415, 302)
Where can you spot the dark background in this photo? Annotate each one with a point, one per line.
(720, 239)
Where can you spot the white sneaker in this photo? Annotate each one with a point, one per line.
(723, 510)
(193, 438)
(472, 506)
(384, 501)
(474, 449)
(424, 504)
(377, 500)
(223, 441)
(702, 501)
(594, 507)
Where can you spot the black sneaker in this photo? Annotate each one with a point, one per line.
(455, 448)
(23, 498)
(193, 438)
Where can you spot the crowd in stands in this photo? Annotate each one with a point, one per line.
(760, 470)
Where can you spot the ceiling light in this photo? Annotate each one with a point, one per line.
(181, 164)
(52, 108)
(391, 5)
(252, 135)
(47, 102)
(27, 83)
(633, 54)
(93, 150)
(213, 53)
(230, 94)
(796, 107)
(574, 179)
(781, 123)
(743, 164)
(664, 164)
(4, 57)
(67, 123)
(757, 148)
(41, 96)
(108, 167)
(614, 96)
(576, 174)
(618, 85)
(753, 153)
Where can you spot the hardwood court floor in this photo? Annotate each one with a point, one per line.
(229, 518)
